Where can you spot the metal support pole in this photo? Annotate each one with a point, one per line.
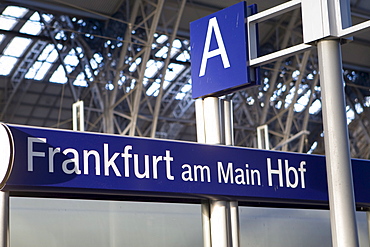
(234, 223)
(78, 117)
(228, 120)
(368, 224)
(338, 160)
(220, 218)
(4, 215)
(199, 115)
(219, 224)
(212, 122)
(229, 140)
(206, 223)
(218, 209)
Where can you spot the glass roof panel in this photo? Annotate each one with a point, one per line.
(176, 44)
(135, 64)
(42, 71)
(17, 46)
(152, 68)
(31, 73)
(162, 52)
(153, 89)
(59, 76)
(80, 80)
(183, 57)
(53, 56)
(350, 115)
(184, 90)
(45, 53)
(88, 73)
(33, 25)
(45, 60)
(315, 107)
(71, 60)
(173, 71)
(161, 39)
(10, 16)
(14, 11)
(7, 64)
(47, 17)
(302, 102)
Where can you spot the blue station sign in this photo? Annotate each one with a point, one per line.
(49, 160)
(219, 52)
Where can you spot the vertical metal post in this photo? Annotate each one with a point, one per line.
(199, 118)
(4, 216)
(212, 121)
(263, 141)
(368, 223)
(229, 140)
(219, 224)
(228, 120)
(206, 224)
(220, 218)
(78, 117)
(234, 223)
(338, 160)
(218, 209)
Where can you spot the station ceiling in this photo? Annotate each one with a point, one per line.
(28, 97)
(352, 53)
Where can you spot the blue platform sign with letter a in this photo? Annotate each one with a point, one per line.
(219, 52)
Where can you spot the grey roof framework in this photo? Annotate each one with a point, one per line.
(129, 62)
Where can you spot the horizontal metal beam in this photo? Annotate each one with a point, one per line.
(275, 11)
(280, 54)
(303, 132)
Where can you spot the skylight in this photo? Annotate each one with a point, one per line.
(49, 54)
(47, 17)
(173, 71)
(39, 69)
(135, 64)
(11, 53)
(176, 45)
(59, 76)
(152, 68)
(302, 102)
(315, 107)
(17, 46)
(183, 57)
(162, 52)
(153, 90)
(10, 17)
(350, 114)
(161, 39)
(6, 64)
(185, 89)
(80, 80)
(33, 25)
(71, 60)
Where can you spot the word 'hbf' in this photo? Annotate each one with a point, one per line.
(282, 175)
(72, 164)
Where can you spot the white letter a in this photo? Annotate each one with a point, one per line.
(213, 25)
